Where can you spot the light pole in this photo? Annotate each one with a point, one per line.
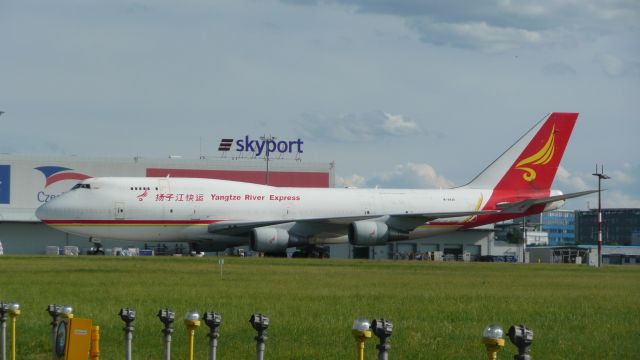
(4, 315)
(167, 317)
(260, 323)
(601, 176)
(522, 338)
(213, 321)
(128, 316)
(382, 329)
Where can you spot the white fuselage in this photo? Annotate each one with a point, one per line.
(181, 209)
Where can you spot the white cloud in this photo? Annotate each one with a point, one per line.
(354, 180)
(618, 199)
(476, 35)
(579, 181)
(621, 177)
(357, 127)
(613, 196)
(428, 175)
(496, 26)
(522, 8)
(403, 176)
(398, 125)
(611, 64)
(411, 175)
(575, 182)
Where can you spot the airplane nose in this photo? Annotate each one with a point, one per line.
(42, 212)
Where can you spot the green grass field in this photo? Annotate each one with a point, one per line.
(438, 309)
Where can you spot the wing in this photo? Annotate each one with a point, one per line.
(335, 226)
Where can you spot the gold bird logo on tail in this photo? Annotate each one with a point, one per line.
(542, 157)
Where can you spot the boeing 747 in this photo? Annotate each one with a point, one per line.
(216, 214)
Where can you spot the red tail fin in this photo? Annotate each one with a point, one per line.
(537, 165)
(532, 162)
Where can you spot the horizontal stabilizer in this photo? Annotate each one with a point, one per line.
(522, 206)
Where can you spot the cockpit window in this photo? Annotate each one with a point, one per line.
(81, 186)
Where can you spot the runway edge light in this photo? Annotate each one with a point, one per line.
(361, 331)
(14, 312)
(192, 322)
(493, 340)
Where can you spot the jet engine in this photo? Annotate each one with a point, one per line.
(370, 233)
(269, 240)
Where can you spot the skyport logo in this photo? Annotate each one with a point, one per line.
(262, 146)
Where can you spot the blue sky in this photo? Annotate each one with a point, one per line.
(397, 93)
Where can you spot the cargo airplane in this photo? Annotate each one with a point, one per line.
(213, 214)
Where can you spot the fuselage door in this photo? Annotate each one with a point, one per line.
(119, 211)
(196, 211)
(163, 186)
(286, 211)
